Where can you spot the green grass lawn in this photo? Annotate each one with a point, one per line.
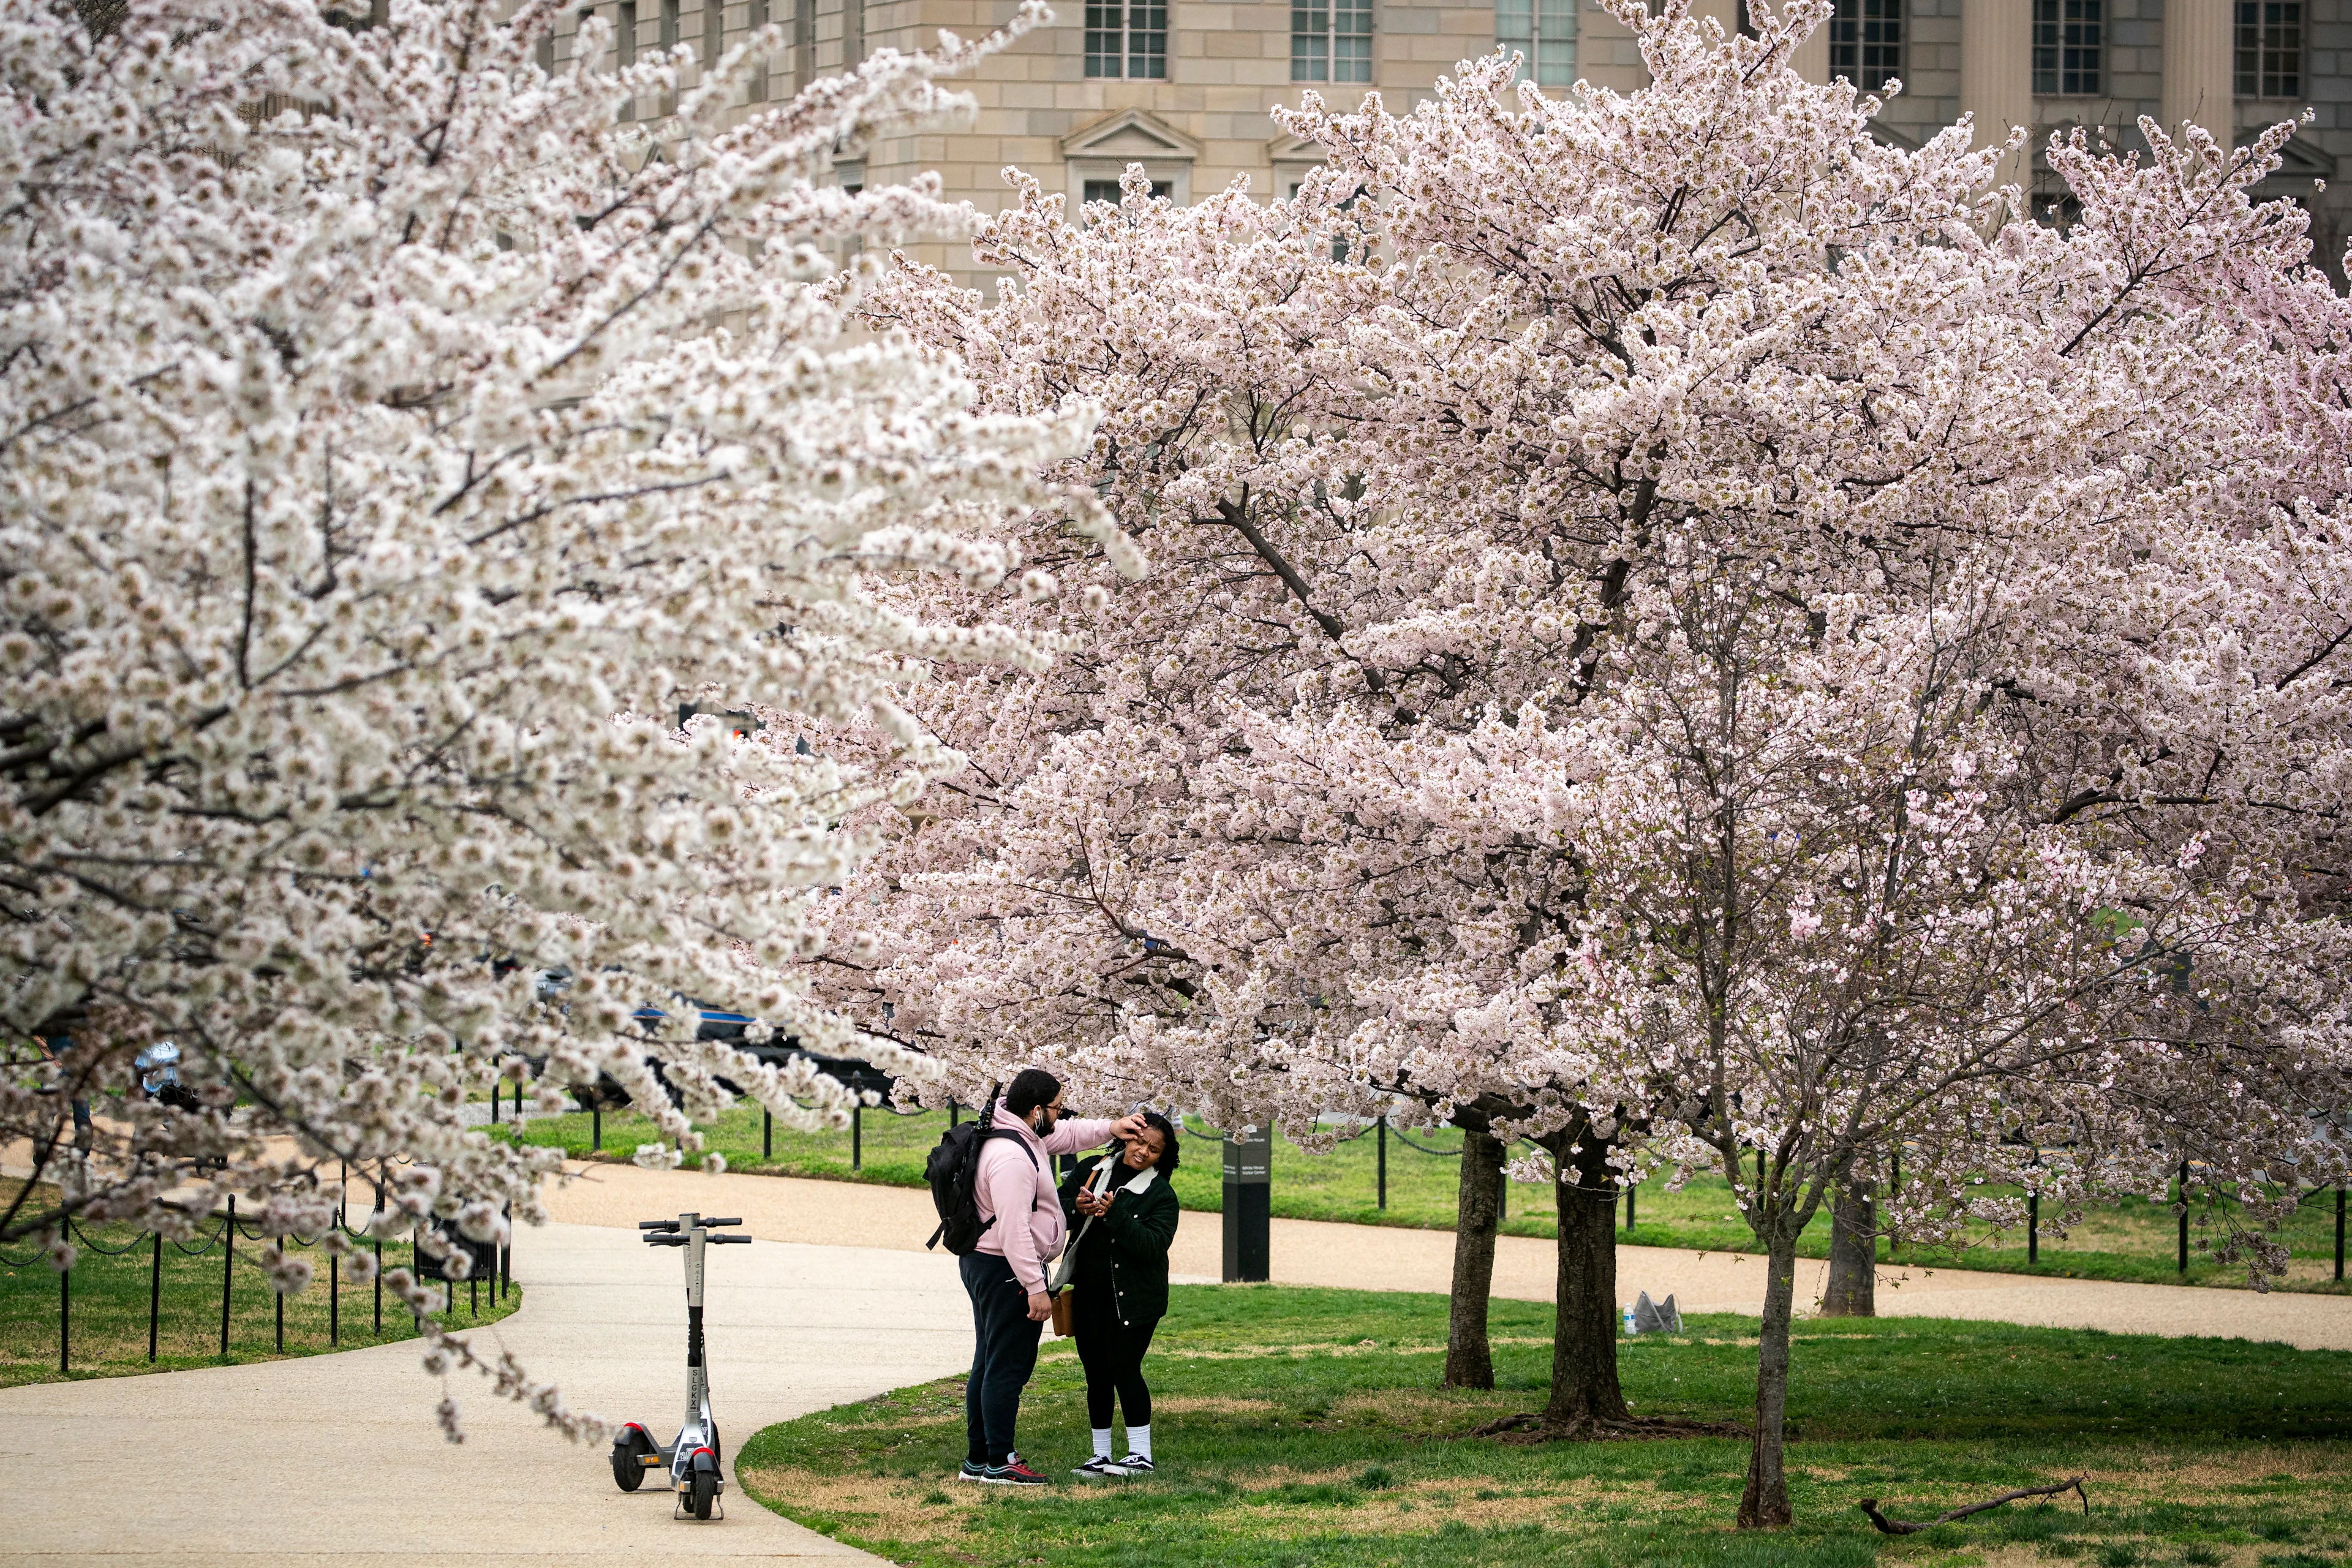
(1299, 1427)
(108, 1301)
(2131, 1240)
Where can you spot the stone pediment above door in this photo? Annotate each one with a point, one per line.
(2301, 161)
(1096, 155)
(1133, 135)
(1290, 157)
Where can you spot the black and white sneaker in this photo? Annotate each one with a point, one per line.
(1133, 1465)
(1100, 1465)
(973, 1470)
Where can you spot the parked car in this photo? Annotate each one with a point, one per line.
(606, 1094)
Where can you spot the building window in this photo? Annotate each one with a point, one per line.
(667, 32)
(1544, 33)
(1340, 248)
(1866, 42)
(755, 15)
(625, 40)
(2068, 42)
(1095, 191)
(1331, 40)
(1126, 39)
(2269, 49)
(2061, 212)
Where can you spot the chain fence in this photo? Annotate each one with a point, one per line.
(221, 1231)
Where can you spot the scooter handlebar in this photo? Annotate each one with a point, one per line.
(723, 1240)
(665, 1241)
(715, 1224)
(657, 1225)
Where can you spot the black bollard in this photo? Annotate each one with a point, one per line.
(1894, 1185)
(2184, 1216)
(154, 1295)
(1381, 1139)
(228, 1252)
(1249, 1192)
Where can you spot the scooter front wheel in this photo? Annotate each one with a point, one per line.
(706, 1488)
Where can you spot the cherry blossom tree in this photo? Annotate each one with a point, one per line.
(1211, 339)
(1583, 364)
(1828, 915)
(1708, 303)
(387, 478)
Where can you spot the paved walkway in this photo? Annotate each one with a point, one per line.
(335, 1459)
(1310, 1252)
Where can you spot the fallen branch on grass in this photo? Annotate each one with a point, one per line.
(1869, 1505)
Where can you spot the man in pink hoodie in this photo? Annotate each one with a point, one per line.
(1005, 1275)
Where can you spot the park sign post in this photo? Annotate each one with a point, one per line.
(1249, 1190)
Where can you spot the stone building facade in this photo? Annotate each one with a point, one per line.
(1183, 87)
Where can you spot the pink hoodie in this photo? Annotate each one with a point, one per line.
(1008, 1185)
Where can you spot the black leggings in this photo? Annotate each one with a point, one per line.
(1112, 1354)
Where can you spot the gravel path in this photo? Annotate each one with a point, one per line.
(1310, 1252)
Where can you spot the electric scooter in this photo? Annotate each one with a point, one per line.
(695, 1456)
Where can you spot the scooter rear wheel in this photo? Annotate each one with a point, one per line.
(628, 1463)
(706, 1488)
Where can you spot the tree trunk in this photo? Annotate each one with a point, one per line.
(1469, 1363)
(1765, 1503)
(1584, 1386)
(1853, 1290)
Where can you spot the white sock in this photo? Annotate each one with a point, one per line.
(1139, 1439)
(1102, 1442)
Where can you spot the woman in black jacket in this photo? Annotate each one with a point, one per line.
(1119, 1283)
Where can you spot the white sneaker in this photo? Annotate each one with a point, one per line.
(1133, 1465)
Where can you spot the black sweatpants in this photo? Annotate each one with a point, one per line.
(1004, 1354)
(1111, 1352)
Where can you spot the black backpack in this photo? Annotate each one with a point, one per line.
(952, 1170)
